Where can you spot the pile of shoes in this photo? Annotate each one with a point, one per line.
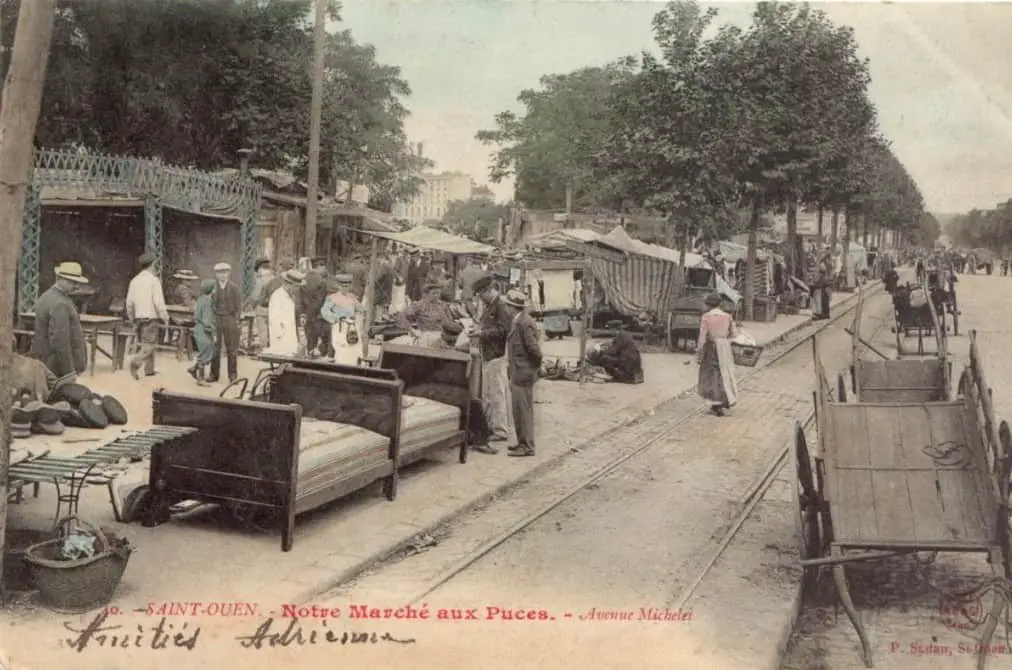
(87, 409)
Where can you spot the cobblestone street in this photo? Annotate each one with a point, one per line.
(907, 605)
(635, 539)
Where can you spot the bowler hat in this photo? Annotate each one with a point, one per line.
(92, 413)
(481, 283)
(20, 430)
(186, 275)
(114, 410)
(72, 392)
(73, 418)
(146, 259)
(515, 298)
(47, 422)
(713, 300)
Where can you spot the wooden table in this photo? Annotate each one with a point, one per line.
(93, 325)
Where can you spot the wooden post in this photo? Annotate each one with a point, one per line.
(368, 299)
(315, 114)
(588, 308)
(19, 114)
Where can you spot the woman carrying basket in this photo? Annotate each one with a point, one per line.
(717, 383)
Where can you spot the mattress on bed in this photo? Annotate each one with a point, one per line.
(328, 449)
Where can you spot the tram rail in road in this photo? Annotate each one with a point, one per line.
(534, 498)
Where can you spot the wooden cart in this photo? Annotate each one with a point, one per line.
(902, 380)
(897, 478)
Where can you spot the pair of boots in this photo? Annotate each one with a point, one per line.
(197, 372)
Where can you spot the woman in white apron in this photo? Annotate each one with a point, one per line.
(717, 383)
(344, 313)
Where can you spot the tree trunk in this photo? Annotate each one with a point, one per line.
(19, 114)
(820, 224)
(569, 202)
(834, 231)
(864, 230)
(315, 115)
(750, 262)
(792, 237)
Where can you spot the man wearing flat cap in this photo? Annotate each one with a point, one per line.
(227, 301)
(59, 340)
(493, 329)
(145, 308)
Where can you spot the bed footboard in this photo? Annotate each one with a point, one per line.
(243, 452)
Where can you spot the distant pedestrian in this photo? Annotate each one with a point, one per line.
(264, 277)
(524, 355)
(205, 331)
(227, 301)
(717, 384)
(59, 340)
(145, 307)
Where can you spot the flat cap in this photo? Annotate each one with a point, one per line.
(222, 267)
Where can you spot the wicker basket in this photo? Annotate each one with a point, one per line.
(745, 355)
(76, 585)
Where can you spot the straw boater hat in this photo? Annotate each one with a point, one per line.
(186, 275)
(515, 298)
(295, 277)
(71, 271)
(343, 279)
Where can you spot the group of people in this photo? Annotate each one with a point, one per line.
(59, 341)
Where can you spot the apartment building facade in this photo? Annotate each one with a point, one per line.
(438, 191)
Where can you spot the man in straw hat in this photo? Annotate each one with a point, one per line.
(523, 352)
(227, 301)
(59, 340)
(282, 315)
(145, 307)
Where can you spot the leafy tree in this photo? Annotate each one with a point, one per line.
(666, 142)
(477, 219)
(991, 229)
(193, 81)
(550, 149)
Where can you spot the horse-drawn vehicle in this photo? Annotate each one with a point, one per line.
(921, 311)
(895, 477)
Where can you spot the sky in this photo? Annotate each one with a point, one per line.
(941, 80)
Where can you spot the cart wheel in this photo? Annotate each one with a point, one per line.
(809, 535)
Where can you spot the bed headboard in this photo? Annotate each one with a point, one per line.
(373, 404)
(422, 365)
(242, 450)
(326, 366)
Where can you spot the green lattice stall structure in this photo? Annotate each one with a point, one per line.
(159, 185)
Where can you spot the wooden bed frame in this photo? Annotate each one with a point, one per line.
(245, 452)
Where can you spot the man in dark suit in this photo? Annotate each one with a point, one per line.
(523, 352)
(59, 340)
(227, 301)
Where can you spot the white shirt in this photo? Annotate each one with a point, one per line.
(281, 324)
(145, 299)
